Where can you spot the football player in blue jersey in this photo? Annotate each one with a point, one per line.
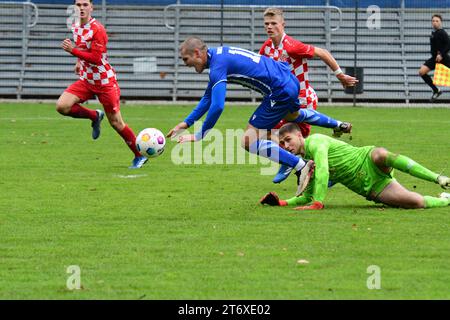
(272, 79)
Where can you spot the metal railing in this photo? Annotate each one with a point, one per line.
(209, 7)
(180, 8)
(29, 10)
(32, 64)
(25, 5)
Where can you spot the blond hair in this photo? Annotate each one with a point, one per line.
(273, 12)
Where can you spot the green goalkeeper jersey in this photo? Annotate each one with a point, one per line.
(337, 161)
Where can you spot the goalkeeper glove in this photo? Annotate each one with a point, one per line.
(272, 199)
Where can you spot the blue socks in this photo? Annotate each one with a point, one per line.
(269, 149)
(316, 118)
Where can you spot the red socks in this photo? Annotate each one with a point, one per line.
(130, 139)
(77, 111)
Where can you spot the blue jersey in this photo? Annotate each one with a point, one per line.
(249, 69)
(271, 78)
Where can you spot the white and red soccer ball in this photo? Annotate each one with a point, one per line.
(150, 142)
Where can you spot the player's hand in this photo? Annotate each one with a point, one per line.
(177, 129)
(272, 199)
(186, 138)
(67, 45)
(346, 80)
(316, 205)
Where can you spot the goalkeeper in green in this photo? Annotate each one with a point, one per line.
(364, 170)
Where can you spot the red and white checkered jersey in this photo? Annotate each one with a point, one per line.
(295, 53)
(92, 36)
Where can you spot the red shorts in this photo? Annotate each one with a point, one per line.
(108, 95)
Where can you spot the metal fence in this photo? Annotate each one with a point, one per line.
(143, 43)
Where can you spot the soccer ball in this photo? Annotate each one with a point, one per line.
(150, 142)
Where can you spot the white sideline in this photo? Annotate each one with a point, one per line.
(130, 176)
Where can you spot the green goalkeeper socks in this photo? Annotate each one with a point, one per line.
(408, 165)
(432, 202)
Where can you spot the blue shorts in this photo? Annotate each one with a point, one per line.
(275, 107)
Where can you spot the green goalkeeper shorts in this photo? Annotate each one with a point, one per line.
(376, 180)
(361, 175)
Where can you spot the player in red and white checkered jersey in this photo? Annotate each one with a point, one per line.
(282, 47)
(97, 78)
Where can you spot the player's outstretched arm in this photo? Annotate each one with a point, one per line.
(195, 115)
(272, 199)
(306, 200)
(218, 93)
(328, 59)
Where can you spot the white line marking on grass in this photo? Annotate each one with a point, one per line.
(130, 176)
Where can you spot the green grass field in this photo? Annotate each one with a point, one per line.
(197, 231)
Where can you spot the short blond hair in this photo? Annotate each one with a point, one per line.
(273, 12)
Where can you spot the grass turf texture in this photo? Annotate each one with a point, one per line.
(197, 231)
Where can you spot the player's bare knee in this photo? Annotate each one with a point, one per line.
(379, 156)
(423, 71)
(62, 107)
